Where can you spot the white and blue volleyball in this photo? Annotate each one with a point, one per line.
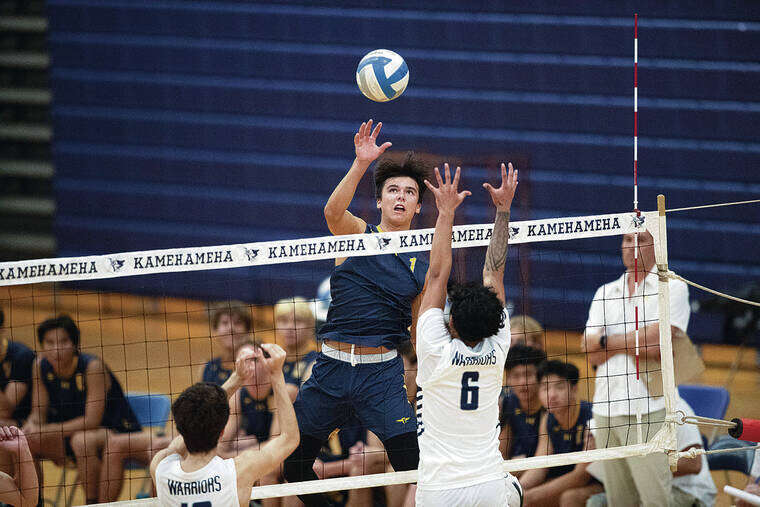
(382, 75)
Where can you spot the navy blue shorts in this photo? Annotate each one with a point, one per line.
(374, 392)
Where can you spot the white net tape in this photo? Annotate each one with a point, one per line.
(69, 269)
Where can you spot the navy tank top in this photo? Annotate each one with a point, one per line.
(68, 397)
(524, 426)
(215, 373)
(257, 418)
(294, 371)
(570, 440)
(372, 298)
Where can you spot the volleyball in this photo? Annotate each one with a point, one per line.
(382, 75)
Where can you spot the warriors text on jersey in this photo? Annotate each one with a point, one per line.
(458, 405)
(214, 484)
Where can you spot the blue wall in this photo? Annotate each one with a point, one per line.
(181, 123)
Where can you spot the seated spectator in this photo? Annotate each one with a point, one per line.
(692, 484)
(76, 399)
(251, 419)
(230, 325)
(16, 362)
(295, 331)
(564, 428)
(526, 330)
(521, 408)
(21, 489)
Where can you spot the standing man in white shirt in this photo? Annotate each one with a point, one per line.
(460, 366)
(610, 344)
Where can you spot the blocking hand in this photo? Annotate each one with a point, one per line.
(502, 196)
(447, 194)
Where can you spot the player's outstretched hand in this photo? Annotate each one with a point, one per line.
(276, 358)
(447, 194)
(502, 196)
(365, 142)
(11, 439)
(244, 363)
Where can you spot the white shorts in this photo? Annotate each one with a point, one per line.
(498, 493)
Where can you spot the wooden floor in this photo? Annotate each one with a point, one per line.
(158, 345)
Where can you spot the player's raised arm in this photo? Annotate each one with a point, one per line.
(339, 219)
(496, 255)
(252, 464)
(447, 198)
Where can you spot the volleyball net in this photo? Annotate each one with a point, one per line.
(161, 320)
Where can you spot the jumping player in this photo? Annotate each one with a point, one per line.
(359, 371)
(189, 472)
(461, 365)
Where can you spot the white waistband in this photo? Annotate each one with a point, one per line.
(354, 359)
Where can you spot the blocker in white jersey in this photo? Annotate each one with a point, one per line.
(215, 484)
(458, 390)
(461, 365)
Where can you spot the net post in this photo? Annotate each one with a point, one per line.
(666, 339)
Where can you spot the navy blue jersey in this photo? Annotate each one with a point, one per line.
(215, 373)
(524, 426)
(294, 371)
(68, 397)
(570, 440)
(372, 298)
(257, 418)
(17, 367)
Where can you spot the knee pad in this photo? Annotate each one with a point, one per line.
(403, 451)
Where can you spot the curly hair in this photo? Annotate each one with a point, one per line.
(412, 167)
(201, 413)
(476, 312)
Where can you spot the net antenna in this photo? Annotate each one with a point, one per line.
(639, 382)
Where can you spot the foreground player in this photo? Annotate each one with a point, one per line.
(22, 487)
(189, 472)
(460, 367)
(373, 299)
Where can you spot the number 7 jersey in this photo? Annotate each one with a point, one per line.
(458, 405)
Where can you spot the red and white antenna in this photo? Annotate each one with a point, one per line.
(635, 177)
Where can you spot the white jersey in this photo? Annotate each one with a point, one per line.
(458, 405)
(214, 485)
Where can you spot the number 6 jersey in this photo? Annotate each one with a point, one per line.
(458, 405)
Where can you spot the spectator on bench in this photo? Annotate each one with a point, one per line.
(521, 408)
(526, 330)
(564, 428)
(295, 331)
(75, 401)
(230, 327)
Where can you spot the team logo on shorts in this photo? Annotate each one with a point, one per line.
(403, 420)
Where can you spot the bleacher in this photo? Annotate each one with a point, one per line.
(181, 123)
